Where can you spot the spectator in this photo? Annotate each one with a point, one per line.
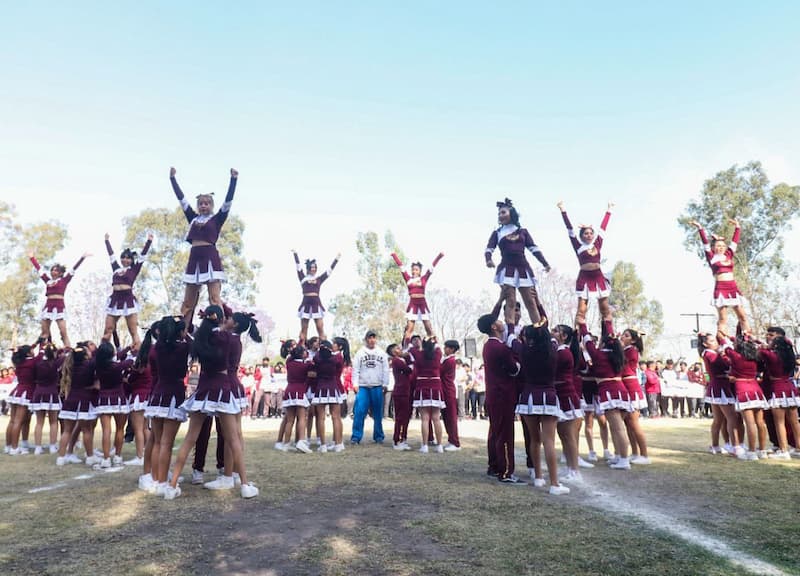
(478, 394)
(461, 386)
(668, 379)
(652, 389)
(467, 389)
(694, 400)
(273, 393)
(370, 377)
(679, 398)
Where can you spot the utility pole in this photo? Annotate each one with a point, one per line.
(697, 318)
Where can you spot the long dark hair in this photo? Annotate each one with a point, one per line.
(297, 352)
(105, 355)
(287, 347)
(616, 354)
(538, 350)
(785, 351)
(169, 331)
(143, 356)
(202, 348)
(571, 341)
(747, 348)
(246, 322)
(429, 348)
(344, 346)
(636, 339)
(20, 354)
(75, 357)
(325, 352)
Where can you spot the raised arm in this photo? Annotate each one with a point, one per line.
(147, 245)
(572, 238)
(83, 257)
(603, 225)
(110, 250)
(327, 272)
(736, 232)
(586, 338)
(397, 260)
(436, 260)
(703, 238)
(300, 274)
(222, 215)
(43, 275)
(185, 206)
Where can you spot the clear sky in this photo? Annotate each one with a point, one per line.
(416, 116)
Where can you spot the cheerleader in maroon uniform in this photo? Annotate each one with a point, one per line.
(328, 367)
(720, 394)
(569, 398)
(450, 412)
(417, 305)
(778, 359)
(140, 386)
(632, 344)
(205, 265)
(591, 282)
(612, 397)
(122, 302)
(311, 306)
(24, 362)
(401, 395)
(720, 258)
(112, 401)
(750, 401)
(46, 402)
(295, 402)
(588, 388)
(80, 398)
(428, 396)
(213, 396)
(514, 273)
(54, 308)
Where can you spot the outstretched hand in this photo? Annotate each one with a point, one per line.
(107, 236)
(172, 172)
(234, 173)
(560, 205)
(695, 223)
(734, 221)
(610, 206)
(86, 254)
(31, 254)
(150, 236)
(338, 255)
(490, 264)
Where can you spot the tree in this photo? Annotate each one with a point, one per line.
(631, 308)
(455, 315)
(160, 284)
(378, 303)
(87, 320)
(21, 289)
(765, 213)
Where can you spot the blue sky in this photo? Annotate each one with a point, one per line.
(350, 116)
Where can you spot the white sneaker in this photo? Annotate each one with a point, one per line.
(558, 490)
(223, 483)
(116, 460)
(92, 460)
(105, 463)
(330, 445)
(613, 460)
(640, 460)
(739, 451)
(452, 448)
(171, 493)
(249, 491)
(340, 448)
(714, 450)
(317, 441)
(539, 482)
(134, 462)
(53, 449)
(197, 477)
(584, 464)
(169, 477)
(398, 446)
(145, 481)
(423, 449)
(747, 456)
(60, 461)
(621, 464)
(78, 445)
(572, 476)
(158, 488)
(99, 453)
(322, 449)
(302, 446)
(72, 459)
(38, 451)
(592, 456)
(279, 446)
(24, 444)
(6, 449)
(607, 455)
(780, 455)
(439, 449)
(762, 454)
(727, 448)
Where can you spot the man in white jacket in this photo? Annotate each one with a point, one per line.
(370, 377)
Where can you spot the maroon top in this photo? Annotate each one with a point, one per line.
(46, 372)
(58, 286)
(741, 368)
(26, 373)
(565, 367)
(125, 276)
(512, 247)
(170, 366)
(720, 263)
(402, 377)
(773, 366)
(234, 359)
(717, 366)
(448, 375)
(500, 369)
(631, 362)
(427, 373)
(83, 375)
(110, 376)
(601, 361)
(587, 253)
(328, 371)
(296, 374)
(204, 228)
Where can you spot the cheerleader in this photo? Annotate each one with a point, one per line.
(80, 394)
(205, 265)
(54, 308)
(720, 257)
(401, 395)
(448, 377)
(591, 282)
(417, 305)
(46, 402)
(19, 399)
(213, 396)
(295, 402)
(140, 386)
(428, 396)
(632, 344)
(311, 306)
(514, 273)
(328, 367)
(168, 360)
(613, 400)
(588, 389)
(122, 302)
(112, 401)
(569, 398)
(719, 394)
(750, 401)
(778, 358)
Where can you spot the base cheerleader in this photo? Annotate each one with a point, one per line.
(80, 398)
(750, 400)
(778, 359)
(46, 402)
(401, 395)
(428, 395)
(112, 402)
(633, 345)
(24, 360)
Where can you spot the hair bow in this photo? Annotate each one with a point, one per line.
(505, 203)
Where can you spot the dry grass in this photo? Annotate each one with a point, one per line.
(371, 510)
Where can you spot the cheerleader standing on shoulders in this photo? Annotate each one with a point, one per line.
(401, 395)
(778, 358)
(54, 308)
(122, 302)
(80, 397)
(24, 363)
(205, 265)
(46, 402)
(750, 401)
(569, 399)
(428, 396)
(311, 306)
(417, 305)
(612, 397)
(168, 360)
(514, 273)
(328, 367)
(112, 401)
(295, 402)
(213, 396)
(591, 282)
(719, 394)
(720, 258)
(632, 344)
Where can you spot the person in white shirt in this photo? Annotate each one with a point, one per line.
(370, 377)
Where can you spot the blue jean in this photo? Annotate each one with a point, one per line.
(368, 398)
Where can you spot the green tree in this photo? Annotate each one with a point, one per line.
(378, 303)
(21, 290)
(160, 285)
(631, 308)
(765, 213)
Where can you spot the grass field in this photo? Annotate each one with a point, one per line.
(371, 510)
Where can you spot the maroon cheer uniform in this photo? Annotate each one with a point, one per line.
(514, 269)
(234, 359)
(611, 392)
(500, 370)
(25, 371)
(583, 373)
(168, 364)
(427, 379)
(538, 395)
(569, 399)
(417, 305)
(448, 376)
(748, 392)
(296, 384)
(204, 262)
(122, 302)
(328, 381)
(54, 308)
(631, 379)
(140, 386)
(589, 282)
(46, 378)
(401, 396)
(112, 398)
(726, 292)
(82, 397)
(783, 393)
(719, 389)
(311, 306)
